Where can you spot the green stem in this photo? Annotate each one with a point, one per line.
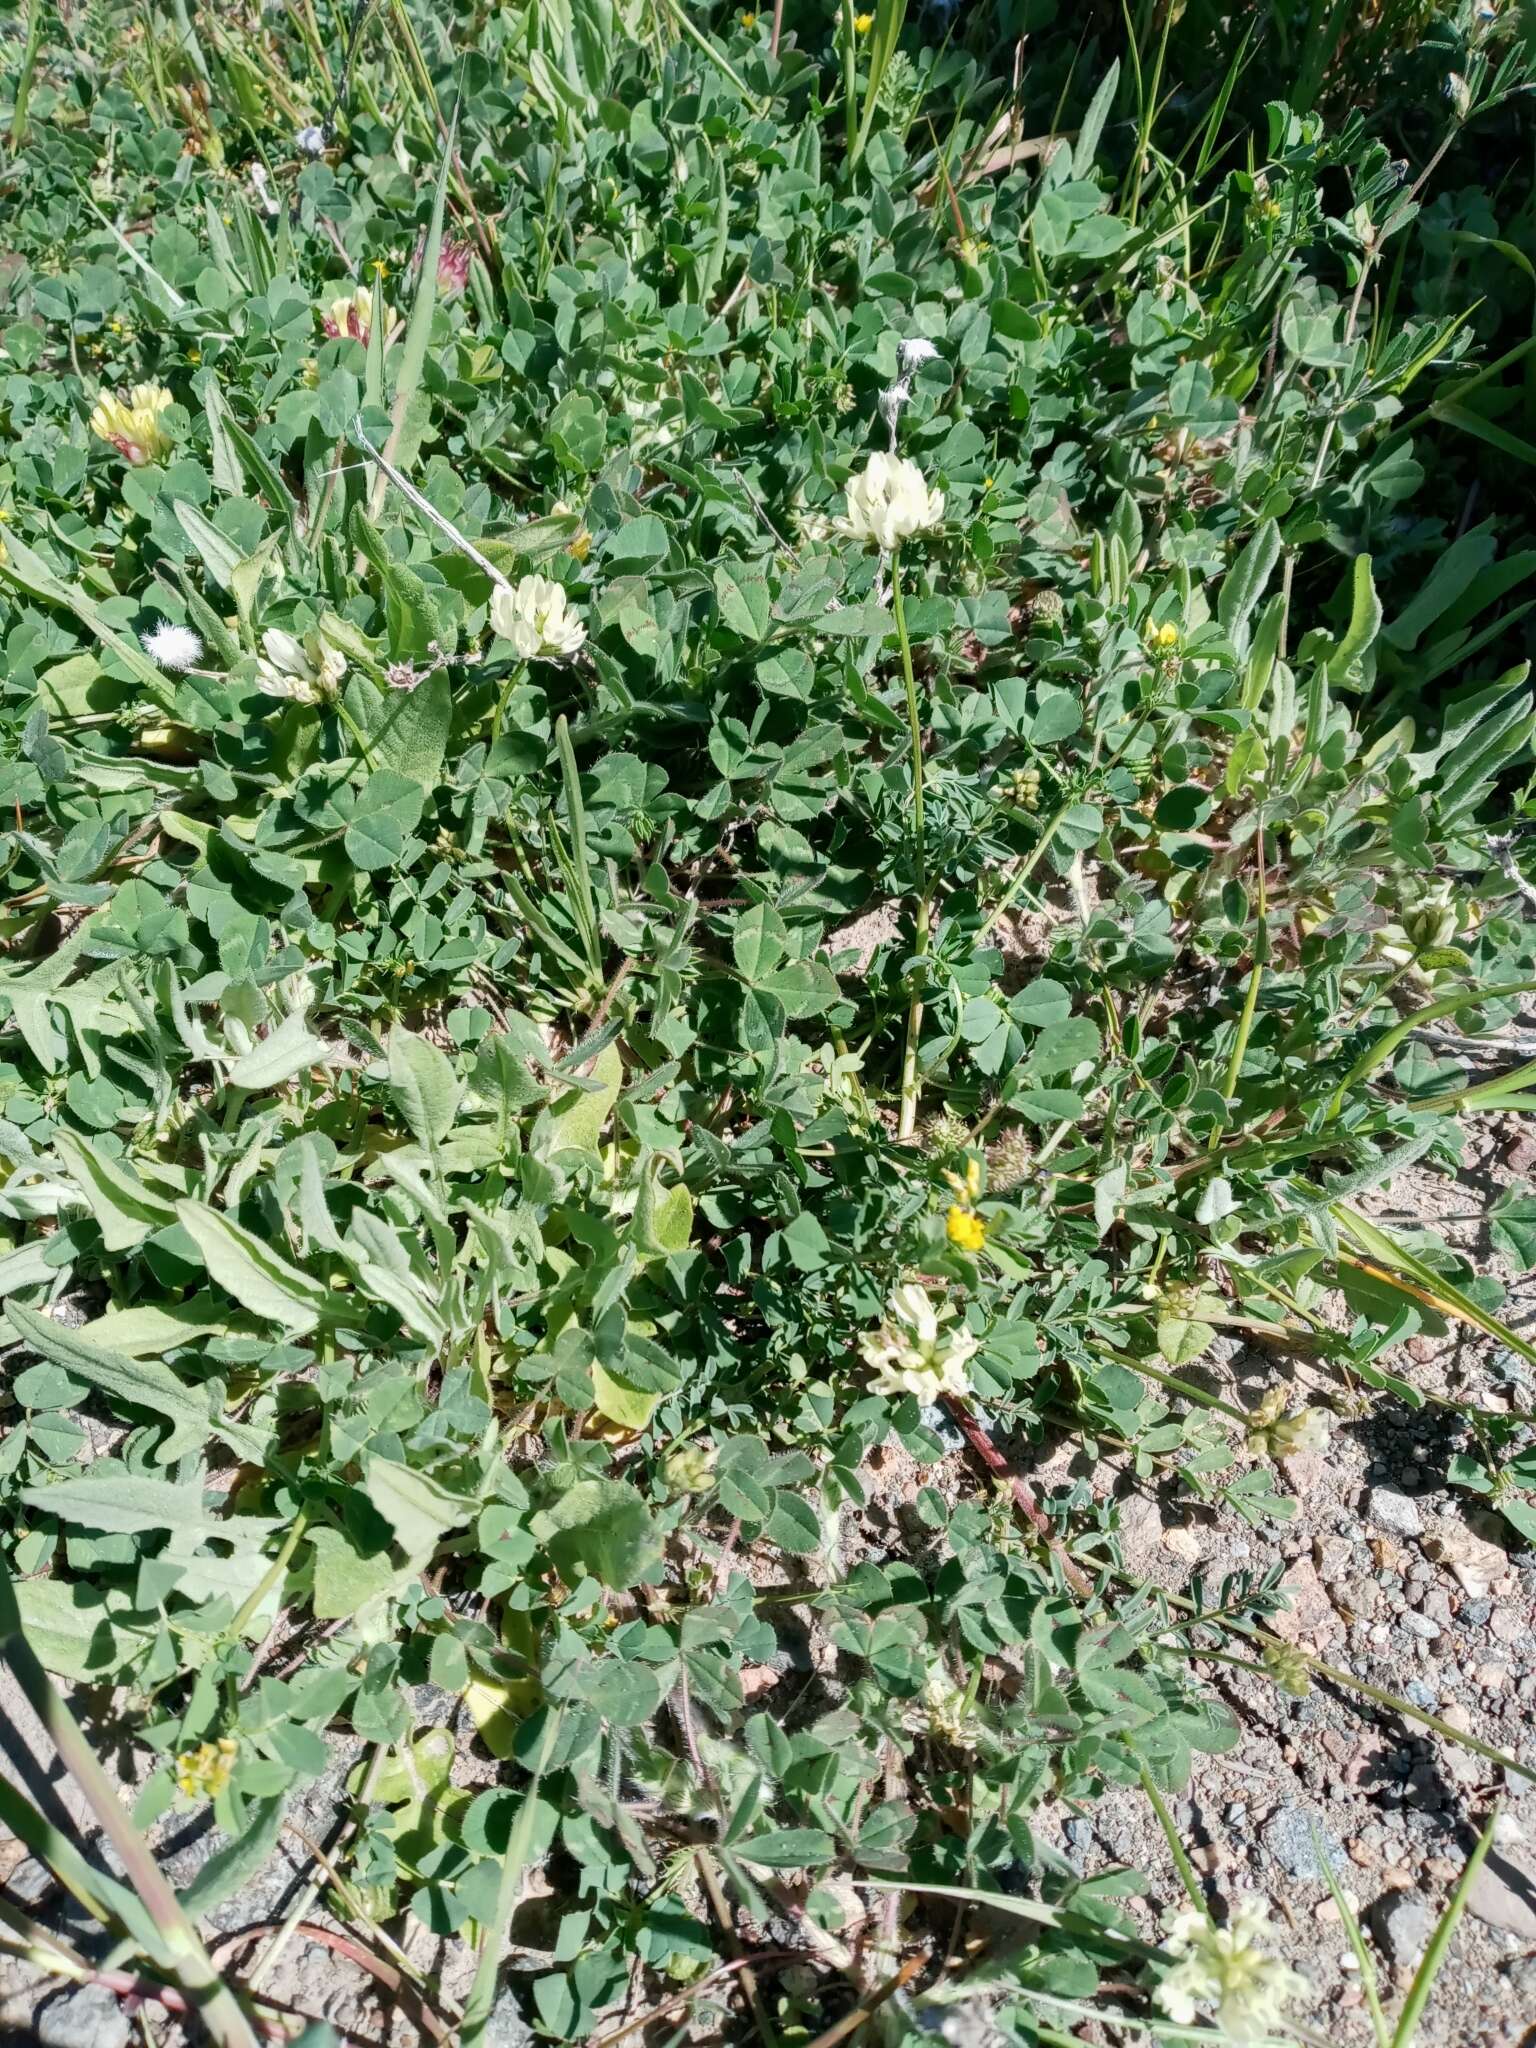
(1031, 861)
(482, 1993)
(1250, 999)
(1434, 1956)
(721, 63)
(28, 71)
(270, 1576)
(1378, 1693)
(218, 2008)
(1186, 1388)
(910, 1081)
(1181, 1862)
(1389, 1041)
(850, 80)
(357, 733)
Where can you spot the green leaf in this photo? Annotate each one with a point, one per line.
(1182, 1339)
(1512, 1228)
(291, 1049)
(1245, 582)
(345, 1581)
(602, 1527)
(788, 1849)
(142, 1385)
(125, 1211)
(72, 1630)
(579, 1126)
(417, 1507)
(234, 1864)
(257, 1277)
(418, 329)
(745, 604)
(425, 1087)
(1364, 620)
(412, 730)
(108, 1497)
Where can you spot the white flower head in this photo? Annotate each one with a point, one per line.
(535, 616)
(890, 500)
(303, 671)
(912, 1352)
(173, 647)
(310, 141)
(1224, 1971)
(911, 355)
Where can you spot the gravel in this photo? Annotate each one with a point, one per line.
(87, 2017)
(1394, 1512)
(1402, 1923)
(1289, 1839)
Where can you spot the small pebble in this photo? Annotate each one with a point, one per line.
(1386, 1508)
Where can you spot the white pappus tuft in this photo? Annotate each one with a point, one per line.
(174, 647)
(911, 355)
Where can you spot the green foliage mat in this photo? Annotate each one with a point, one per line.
(580, 957)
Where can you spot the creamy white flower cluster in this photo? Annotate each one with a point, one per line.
(306, 671)
(914, 1352)
(890, 500)
(535, 616)
(1224, 1972)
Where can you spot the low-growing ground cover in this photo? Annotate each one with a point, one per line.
(716, 823)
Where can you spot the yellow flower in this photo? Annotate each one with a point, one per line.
(203, 1773)
(580, 542)
(194, 356)
(862, 24)
(133, 425)
(1166, 635)
(965, 1229)
(748, 20)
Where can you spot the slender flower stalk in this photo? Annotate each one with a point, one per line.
(910, 1086)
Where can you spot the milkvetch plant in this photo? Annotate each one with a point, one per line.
(594, 958)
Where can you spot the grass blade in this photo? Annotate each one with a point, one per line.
(418, 329)
(1434, 1956)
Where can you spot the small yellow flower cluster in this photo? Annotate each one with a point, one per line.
(862, 24)
(962, 1226)
(132, 425)
(203, 1773)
